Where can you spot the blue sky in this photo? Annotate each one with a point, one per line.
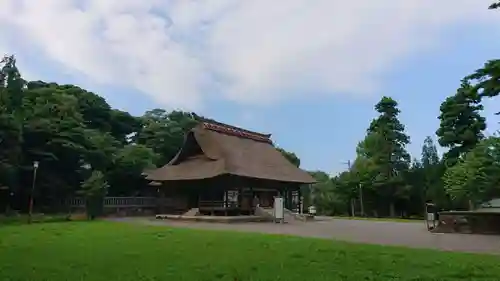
(311, 80)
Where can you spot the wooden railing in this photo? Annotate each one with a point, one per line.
(116, 202)
(217, 204)
(76, 202)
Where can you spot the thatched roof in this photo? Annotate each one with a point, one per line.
(212, 149)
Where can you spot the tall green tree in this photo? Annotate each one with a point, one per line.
(11, 118)
(486, 79)
(123, 125)
(385, 147)
(125, 176)
(461, 125)
(164, 132)
(425, 178)
(55, 135)
(476, 178)
(417, 197)
(362, 175)
(432, 172)
(65, 128)
(344, 190)
(70, 130)
(326, 197)
(429, 153)
(96, 112)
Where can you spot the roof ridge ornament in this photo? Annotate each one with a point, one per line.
(227, 129)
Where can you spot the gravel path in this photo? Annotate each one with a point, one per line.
(374, 232)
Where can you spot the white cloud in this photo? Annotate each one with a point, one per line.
(259, 51)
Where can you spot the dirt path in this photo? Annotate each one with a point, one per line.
(374, 232)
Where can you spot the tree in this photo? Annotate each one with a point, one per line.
(63, 126)
(67, 129)
(424, 179)
(476, 178)
(461, 125)
(11, 87)
(55, 134)
(326, 197)
(417, 195)
(342, 194)
(123, 125)
(430, 155)
(12, 84)
(385, 148)
(164, 132)
(432, 170)
(93, 190)
(486, 80)
(494, 5)
(128, 164)
(362, 176)
(290, 156)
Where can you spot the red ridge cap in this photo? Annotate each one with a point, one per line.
(237, 132)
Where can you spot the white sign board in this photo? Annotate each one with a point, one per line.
(278, 208)
(430, 216)
(312, 210)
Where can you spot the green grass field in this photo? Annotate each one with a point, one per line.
(37, 218)
(109, 251)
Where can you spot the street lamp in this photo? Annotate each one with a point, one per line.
(30, 212)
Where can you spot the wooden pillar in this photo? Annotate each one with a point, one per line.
(299, 207)
(240, 198)
(198, 196)
(252, 210)
(225, 197)
(289, 198)
(311, 194)
(225, 201)
(161, 202)
(285, 197)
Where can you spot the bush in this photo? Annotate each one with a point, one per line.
(94, 189)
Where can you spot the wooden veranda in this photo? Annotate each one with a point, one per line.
(230, 195)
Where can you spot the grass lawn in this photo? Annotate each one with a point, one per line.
(117, 251)
(36, 218)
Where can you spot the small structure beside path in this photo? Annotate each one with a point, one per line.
(484, 220)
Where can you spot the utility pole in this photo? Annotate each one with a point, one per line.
(352, 200)
(361, 200)
(360, 189)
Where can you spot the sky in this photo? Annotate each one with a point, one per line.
(308, 72)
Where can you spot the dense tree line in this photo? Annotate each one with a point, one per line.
(85, 147)
(384, 180)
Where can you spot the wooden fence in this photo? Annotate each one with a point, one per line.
(123, 202)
